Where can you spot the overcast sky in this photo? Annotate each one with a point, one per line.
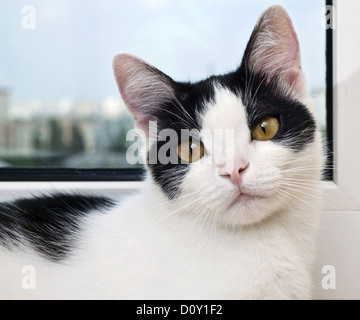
(69, 54)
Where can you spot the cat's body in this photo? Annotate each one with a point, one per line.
(145, 255)
(237, 229)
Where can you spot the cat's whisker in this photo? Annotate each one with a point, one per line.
(181, 119)
(247, 85)
(257, 90)
(302, 163)
(192, 123)
(294, 198)
(302, 168)
(318, 193)
(303, 187)
(305, 182)
(166, 204)
(286, 195)
(178, 209)
(199, 215)
(309, 194)
(300, 159)
(309, 187)
(213, 225)
(204, 217)
(300, 178)
(290, 198)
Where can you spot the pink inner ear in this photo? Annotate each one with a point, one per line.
(287, 37)
(125, 68)
(276, 49)
(142, 87)
(296, 79)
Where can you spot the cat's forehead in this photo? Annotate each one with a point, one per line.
(224, 111)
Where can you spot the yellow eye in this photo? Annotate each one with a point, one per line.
(265, 129)
(190, 151)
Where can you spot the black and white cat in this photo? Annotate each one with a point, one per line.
(239, 228)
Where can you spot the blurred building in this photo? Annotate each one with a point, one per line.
(4, 102)
(34, 132)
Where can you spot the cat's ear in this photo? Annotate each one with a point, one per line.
(273, 50)
(143, 88)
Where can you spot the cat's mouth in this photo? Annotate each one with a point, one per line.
(244, 198)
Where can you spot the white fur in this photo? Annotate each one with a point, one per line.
(194, 247)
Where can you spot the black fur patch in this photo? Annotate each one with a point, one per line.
(191, 99)
(262, 98)
(48, 224)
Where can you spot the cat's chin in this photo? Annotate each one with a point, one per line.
(247, 209)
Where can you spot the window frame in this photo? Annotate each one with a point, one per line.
(13, 174)
(329, 47)
(343, 192)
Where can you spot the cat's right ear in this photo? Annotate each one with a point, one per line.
(144, 89)
(274, 51)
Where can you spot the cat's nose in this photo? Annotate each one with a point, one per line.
(235, 173)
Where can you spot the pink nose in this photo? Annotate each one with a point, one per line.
(236, 173)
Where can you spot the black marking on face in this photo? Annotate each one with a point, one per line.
(263, 98)
(48, 224)
(190, 102)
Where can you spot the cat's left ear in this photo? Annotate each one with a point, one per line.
(143, 88)
(274, 51)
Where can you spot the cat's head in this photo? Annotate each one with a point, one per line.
(240, 146)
